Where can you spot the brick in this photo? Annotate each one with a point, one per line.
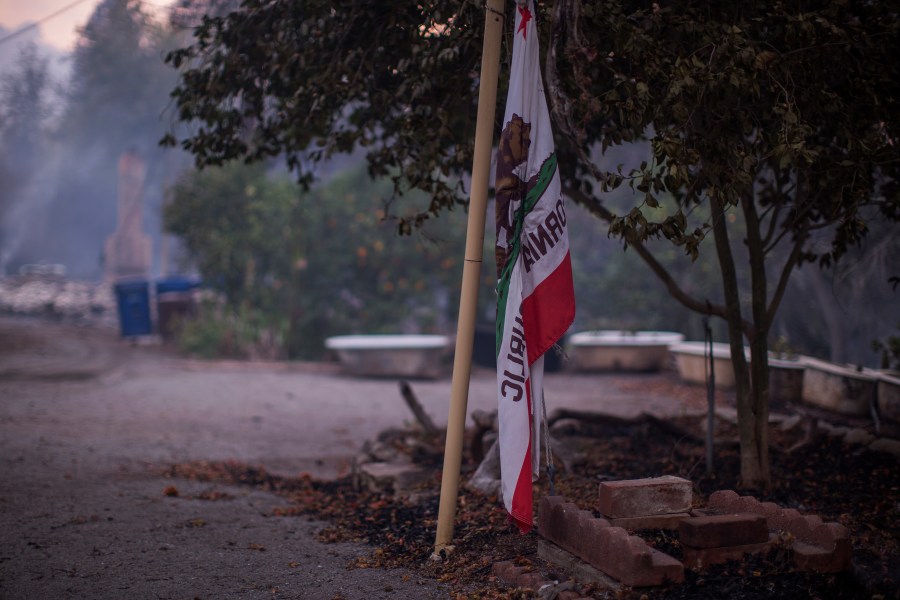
(580, 570)
(667, 568)
(558, 523)
(808, 557)
(568, 533)
(545, 509)
(748, 504)
(575, 520)
(580, 538)
(781, 520)
(700, 558)
(506, 572)
(642, 497)
(624, 557)
(723, 500)
(592, 549)
(612, 538)
(622, 562)
(532, 580)
(829, 535)
(719, 531)
(550, 521)
(828, 550)
(642, 566)
(818, 546)
(639, 551)
(610, 542)
(769, 510)
(803, 526)
(650, 522)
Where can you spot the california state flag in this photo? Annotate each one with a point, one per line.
(536, 301)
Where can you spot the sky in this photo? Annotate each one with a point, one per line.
(57, 30)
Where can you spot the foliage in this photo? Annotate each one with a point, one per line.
(398, 82)
(217, 333)
(312, 265)
(890, 351)
(747, 101)
(24, 107)
(24, 111)
(112, 103)
(119, 84)
(770, 126)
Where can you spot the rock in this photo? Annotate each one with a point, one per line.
(790, 423)
(886, 445)
(396, 477)
(486, 478)
(858, 437)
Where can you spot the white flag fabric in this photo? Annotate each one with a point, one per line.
(535, 297)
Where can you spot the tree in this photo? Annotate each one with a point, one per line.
(308, 266)
(113, 102)
(24, 113)
(778, 121)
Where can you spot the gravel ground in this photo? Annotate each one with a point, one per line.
(88, 421)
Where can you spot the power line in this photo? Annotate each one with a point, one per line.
(31, 26)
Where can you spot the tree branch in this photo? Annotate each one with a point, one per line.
(688, 301)
(786, 271)
(732, 308)
(775, 210)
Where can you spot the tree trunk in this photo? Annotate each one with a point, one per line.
(754, 450)
(755, 472)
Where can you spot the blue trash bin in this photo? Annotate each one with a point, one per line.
(133, 300)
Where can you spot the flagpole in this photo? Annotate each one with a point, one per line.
(465, 328)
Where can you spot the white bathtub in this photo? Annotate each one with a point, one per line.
(841, 388)
(610, 350)
(692, 361)
(889, 396)
(413, 356)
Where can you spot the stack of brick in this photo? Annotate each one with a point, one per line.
(731, 527)
(817, 546)
(609, 548)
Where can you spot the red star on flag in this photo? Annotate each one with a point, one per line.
(523, 24)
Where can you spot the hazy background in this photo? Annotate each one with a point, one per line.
(83, 82)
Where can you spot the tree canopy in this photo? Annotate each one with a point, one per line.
(771, 128)
(24, 110)
(302, 267)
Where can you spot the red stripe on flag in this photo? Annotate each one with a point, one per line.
(549, 310)
(520, 511)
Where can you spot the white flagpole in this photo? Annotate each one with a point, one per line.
(465, 328)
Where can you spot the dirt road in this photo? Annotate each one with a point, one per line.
(87, 420)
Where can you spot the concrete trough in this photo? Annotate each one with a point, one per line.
(411, 356)
(692, 362)
(889, 396)
(843, 389)
(610, 350)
